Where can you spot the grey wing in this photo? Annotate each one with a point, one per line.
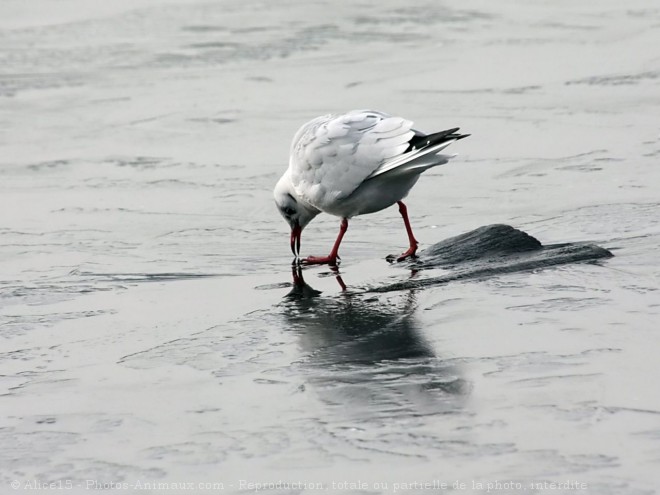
(332, 155)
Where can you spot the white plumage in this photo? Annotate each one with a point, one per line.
(332, 155)
(356, 163)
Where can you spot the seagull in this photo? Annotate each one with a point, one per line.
(352, 164)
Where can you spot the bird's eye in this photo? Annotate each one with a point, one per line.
(288, 211)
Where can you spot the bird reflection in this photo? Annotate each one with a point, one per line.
(301, 290)
(368, 350)
(365, 329)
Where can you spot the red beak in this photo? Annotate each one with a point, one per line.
(296, 232)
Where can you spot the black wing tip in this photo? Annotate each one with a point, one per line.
(438, 137)
(423, 141)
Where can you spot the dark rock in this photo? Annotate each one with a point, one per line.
(490, 251)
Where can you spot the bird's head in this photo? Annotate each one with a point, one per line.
(295, 211)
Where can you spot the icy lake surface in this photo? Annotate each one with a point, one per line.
(145, 336)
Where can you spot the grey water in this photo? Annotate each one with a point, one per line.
(147, 343)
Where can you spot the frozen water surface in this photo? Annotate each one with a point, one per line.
(145, 336)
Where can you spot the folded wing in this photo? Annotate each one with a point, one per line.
(421, 154)
(332, 155)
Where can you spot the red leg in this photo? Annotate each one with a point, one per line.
(332, 258)
(410, 253)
